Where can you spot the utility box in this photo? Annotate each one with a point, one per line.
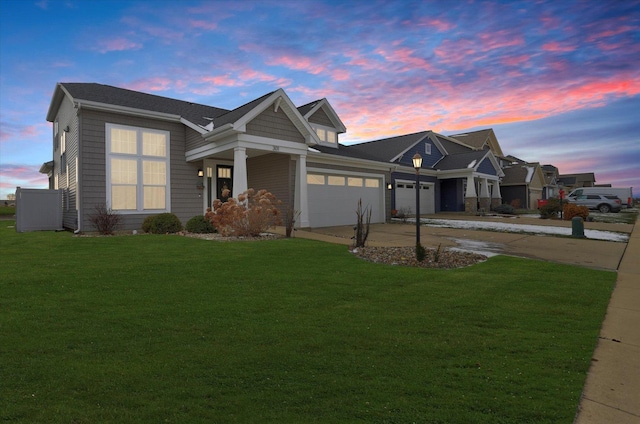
(577, 227)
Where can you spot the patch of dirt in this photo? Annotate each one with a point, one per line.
(406, 256)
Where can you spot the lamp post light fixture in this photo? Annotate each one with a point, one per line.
(417, 164)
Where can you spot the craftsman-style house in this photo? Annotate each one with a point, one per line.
(142, 154)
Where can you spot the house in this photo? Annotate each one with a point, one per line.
(570, 182)
(550, 188)
(522, 185)
(142, 154)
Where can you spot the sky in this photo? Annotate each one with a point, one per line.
(558, 81)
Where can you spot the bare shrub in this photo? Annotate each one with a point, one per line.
(362, 225)
(104, 219)
(247, 216)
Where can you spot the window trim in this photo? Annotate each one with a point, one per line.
(140, 158)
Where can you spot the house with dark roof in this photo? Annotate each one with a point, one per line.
(141, 154)
(522, 185)
(570, 182)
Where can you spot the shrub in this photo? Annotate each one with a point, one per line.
(504, 209)
(516, 203)
(165, 223)
(104, 219)
(551, 209)
(571, 210)
(248, 216)
(146, 224)
(200, 225)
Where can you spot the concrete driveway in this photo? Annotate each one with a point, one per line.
(584, 252)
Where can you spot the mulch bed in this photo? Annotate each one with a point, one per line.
(406, 256)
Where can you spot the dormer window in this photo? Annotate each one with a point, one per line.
(327, 136)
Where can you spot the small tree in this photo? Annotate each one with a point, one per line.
(290, 220)
(362, 225)
(105, 219)
(421, 252)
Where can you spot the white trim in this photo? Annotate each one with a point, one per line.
(332, 114)
(86, 104)
(139, 158)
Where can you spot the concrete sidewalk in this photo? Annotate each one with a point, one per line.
(612, 389)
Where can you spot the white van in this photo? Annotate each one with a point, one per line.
(624, 194)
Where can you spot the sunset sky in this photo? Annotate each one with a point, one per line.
(558, 81)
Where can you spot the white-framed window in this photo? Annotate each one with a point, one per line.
(55, 135)
(137, 169)
(335, 180)
(354, 182)
(372, 183)
(327, 135)
(427, 148)
(315, 179)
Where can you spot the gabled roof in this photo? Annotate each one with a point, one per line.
(450, 145)
(579, 178)
(310, 108)
(522, 174)
(109, 95)
(388, 149)
(239, 112)
(481, 139)
(469, 159)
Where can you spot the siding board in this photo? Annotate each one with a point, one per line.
(274, 125)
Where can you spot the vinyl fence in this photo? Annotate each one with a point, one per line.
(38, 210)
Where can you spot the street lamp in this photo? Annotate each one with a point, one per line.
(417, 164)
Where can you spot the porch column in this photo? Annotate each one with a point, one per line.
(301, 201)
(239, 171)
(496, 197)
(485, 200)
(470, 197)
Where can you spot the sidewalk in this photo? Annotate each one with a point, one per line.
(612, 390)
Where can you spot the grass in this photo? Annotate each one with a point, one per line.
(7, 210)
(171, 329)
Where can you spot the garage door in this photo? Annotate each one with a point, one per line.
(406, 197)
(333, 198)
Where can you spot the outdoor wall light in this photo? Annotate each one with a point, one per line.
(389, 186)
(200, 173)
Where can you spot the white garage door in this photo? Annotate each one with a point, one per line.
(406, 197)
(333, 198)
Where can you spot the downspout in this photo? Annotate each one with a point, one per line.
(78, 173)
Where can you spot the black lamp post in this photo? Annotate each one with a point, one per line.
(417, 164)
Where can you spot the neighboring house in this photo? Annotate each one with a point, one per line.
(522, 185)
(481, 140)
(550, 188)
(143, 154)
(573, 181)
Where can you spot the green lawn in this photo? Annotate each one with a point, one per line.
(173, 329)
(7, 210)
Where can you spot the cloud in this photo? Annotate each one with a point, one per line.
(557, 47)
(208, 25)
(117, 44)
(20, 175)
(150, 84)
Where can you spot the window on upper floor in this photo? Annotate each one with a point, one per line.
(427, 148)
(327, 135)
(137, 169)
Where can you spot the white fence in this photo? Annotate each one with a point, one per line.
(38, 210)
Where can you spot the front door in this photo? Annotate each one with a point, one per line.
(224, 182)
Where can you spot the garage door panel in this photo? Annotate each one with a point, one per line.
(331, 205)
(406, 197)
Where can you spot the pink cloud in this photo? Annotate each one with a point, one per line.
(150, 84)
(208, 25)
(405, 57)
(435, 23)
(22, 175)
(556, 47)
(515, 60)
(117, 44)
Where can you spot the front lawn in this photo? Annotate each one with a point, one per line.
(172, 329)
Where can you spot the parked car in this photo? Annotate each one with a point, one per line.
(600, 202)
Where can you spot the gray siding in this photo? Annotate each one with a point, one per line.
(186, 200)
(67, 182)
(320, 117)
(272, 172)
(193, 139)
(274, 125)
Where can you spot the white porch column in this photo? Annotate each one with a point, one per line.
(496, 190)
(239, 171)
(484, 187)
(471, 187)
(301, 202)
